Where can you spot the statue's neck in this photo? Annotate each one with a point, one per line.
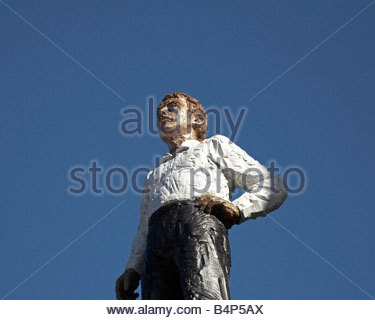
(175, 143)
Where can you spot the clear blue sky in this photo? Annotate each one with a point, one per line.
(319, 116)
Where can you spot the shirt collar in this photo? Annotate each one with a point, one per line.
(186, 145)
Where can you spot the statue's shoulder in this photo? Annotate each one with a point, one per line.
(218, 138)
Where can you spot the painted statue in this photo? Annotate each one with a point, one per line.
(181, 249)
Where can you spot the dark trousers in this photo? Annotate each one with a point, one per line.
(187, 255)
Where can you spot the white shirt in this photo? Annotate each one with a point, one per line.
(215, 166)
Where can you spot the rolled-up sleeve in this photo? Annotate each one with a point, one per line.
(264, 190)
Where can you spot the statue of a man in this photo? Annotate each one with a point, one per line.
(181, 250)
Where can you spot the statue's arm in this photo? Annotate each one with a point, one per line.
(264, 190)
(128, 282)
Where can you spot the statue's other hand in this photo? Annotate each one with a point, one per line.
(222, 209)
(126, 284)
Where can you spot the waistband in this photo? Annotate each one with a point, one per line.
(168, 207)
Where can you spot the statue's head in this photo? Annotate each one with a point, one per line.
(181, 117)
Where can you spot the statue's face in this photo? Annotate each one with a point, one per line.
(175, 119)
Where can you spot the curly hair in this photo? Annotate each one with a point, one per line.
(194, 107)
